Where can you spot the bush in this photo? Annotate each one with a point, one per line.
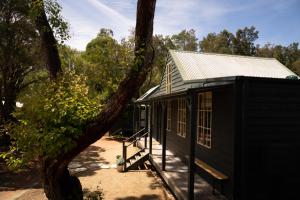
(54, 115)
(93, 195)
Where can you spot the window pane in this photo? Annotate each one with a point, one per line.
(204, 117)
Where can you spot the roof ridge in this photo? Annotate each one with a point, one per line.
(222, 54)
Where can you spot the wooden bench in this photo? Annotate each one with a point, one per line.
(217, 176)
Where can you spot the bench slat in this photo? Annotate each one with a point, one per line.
(215, 173)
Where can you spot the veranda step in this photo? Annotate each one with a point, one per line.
(134, 163)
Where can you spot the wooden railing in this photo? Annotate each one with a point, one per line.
(133, 140)
(135, 135)
(117, 131)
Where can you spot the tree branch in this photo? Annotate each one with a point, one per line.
(128, 87)
(49, 43)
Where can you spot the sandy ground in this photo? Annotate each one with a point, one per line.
(99, 160)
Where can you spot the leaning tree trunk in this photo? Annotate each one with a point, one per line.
(49, 43)
(57, 183)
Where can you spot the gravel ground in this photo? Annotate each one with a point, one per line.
(96, 170)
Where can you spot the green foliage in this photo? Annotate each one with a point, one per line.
(93, 195)
(218, 43)
(242, 43)
(12, 160)
(296, 66)
(70, 58)
(106, 62)
(287, 55)
(185, 40)
(52, 117)
(19, 53)
(58, 24)
(119, 160)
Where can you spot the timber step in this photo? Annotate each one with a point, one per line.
(138, 159)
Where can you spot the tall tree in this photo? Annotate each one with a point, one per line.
(287, 55)
(108, 62)
(243, 41)
(18, 53)
(185, 40)
(61, 142)
(218, 43)
(47, 34)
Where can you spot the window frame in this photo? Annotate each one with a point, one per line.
(181, 117)
(204, 119)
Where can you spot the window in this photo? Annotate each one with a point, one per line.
(204, 119)
(181, 118)
(169, 115)
(168, 78)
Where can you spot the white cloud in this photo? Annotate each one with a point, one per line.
(88, 16)
(171, 16)
(111, 13)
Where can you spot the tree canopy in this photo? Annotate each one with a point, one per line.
(59, 118)
(83, 93)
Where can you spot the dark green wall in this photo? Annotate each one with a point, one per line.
(271, 138)
(176, 143)
(221, 154)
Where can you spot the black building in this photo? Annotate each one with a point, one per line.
(234, 120)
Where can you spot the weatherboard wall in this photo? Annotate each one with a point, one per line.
(221, 154)
(175, 143)
(270, 140)
(177, 82)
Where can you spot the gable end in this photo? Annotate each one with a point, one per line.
(177, 84)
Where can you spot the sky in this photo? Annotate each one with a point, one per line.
(278, 21)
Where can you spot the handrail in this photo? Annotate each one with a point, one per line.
(143, 129)
(117, 131)
(135, 154)
(137, 139)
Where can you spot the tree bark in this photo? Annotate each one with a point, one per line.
(57, 182)
(144, 55)
(49, 43)
(55, 172)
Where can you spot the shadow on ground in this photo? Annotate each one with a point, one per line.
(143, 197)
(88, 159)
(117, 139)
(11, 181)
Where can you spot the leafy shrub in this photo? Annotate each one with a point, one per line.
(120, 160)
(93, 195)
(52, 118)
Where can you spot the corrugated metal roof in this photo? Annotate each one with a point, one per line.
(196, 66)
(147, 94)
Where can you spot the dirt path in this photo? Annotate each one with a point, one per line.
(95, 168)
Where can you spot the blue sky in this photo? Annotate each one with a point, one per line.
(278, 21)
